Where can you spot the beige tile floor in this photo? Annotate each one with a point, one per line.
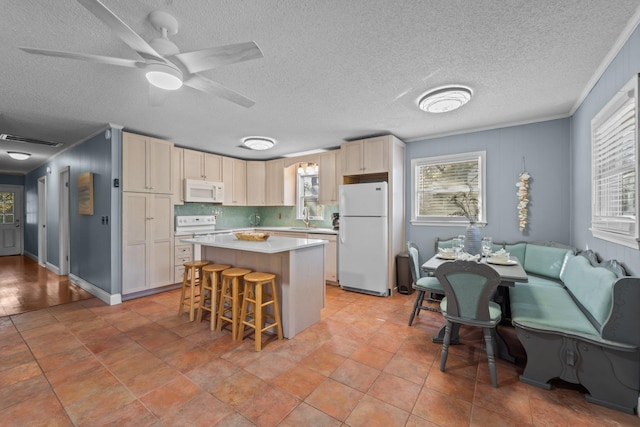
(138, 363)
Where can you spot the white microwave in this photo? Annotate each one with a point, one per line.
(196, 190)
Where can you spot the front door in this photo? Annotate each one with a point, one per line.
(10, 220)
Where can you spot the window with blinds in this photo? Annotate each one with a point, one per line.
(448, 189)
(614, 156)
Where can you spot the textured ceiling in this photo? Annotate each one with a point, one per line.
(332, 70)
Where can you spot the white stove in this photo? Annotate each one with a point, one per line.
(188, 225)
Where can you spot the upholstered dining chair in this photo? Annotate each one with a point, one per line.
(424, 285)
(468, 288)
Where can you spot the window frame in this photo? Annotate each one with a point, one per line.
(606, 224)
(453, 220)
(300, 197)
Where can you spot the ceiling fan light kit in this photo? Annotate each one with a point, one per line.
(258, 142)
(164, 76)
(445, 99)
(17, 155)
(164, 65)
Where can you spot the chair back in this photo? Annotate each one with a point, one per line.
(414, 261)
(468, 286)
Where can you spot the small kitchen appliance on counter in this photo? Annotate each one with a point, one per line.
(335, 220)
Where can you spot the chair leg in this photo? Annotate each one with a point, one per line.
(489, 344)
(416, 306)
(445, 345)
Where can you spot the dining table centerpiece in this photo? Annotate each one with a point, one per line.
(466, 204)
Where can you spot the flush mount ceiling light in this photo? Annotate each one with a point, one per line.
(18, 155)
(258, 142)
(444, 99)
(164, 76)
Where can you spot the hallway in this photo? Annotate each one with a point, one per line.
(27, 286)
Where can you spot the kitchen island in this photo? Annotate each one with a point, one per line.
(297, 263)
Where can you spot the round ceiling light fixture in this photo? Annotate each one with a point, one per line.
(445, 99)
(164, 76)
(18, 155)
(258, 142)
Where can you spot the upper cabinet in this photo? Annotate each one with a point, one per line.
(329, 175)
(177, 175)
(281, 183)
(146, 164)
(234, 176)
(203, 166)
(365, 156)
(256, 183)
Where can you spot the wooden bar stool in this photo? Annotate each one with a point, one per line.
(210, 290)
(229, 305)
(254, 316)
(191, 280)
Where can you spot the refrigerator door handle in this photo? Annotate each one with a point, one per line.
(342, 234)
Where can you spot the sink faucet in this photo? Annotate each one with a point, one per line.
(305, 216)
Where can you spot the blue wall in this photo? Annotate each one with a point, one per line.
(11, 179)
(545, 147)
(90, 251)
(622, 69)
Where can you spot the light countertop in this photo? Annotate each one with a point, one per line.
(272, 245)
(310, 230)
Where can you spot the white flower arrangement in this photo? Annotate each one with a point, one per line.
(523, 197)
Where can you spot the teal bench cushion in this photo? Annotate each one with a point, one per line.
(540, 281)
(591, 286)
(517, 250)
(548, 307)
(544, 260)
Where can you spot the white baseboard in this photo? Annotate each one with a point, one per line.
(96, 291)
(30, 255)
(53, 268)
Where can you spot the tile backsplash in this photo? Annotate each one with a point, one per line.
(239, 216)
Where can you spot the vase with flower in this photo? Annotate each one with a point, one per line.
(467, 206)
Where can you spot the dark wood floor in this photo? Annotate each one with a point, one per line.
(26, 286)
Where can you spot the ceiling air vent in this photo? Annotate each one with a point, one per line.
(23, 140)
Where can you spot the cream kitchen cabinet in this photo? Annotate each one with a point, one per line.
(177, 174)
(147, 242)
(203, 166)
(328, 169)
(146, 164)
(183, 252)
(330, 249)
(234, 177)
(365, 156)
(330, 255)
(280, 183)
(256, 183)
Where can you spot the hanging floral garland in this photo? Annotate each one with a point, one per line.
(523, 197)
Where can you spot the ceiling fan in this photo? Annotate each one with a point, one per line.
(164, 66)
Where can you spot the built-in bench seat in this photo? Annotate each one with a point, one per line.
(579, 324)
(578, 320)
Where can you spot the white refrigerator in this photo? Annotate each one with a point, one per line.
(363, 245)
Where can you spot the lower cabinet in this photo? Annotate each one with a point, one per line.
(330, 250)
(183, 252)
(330, 256)
(147, 241)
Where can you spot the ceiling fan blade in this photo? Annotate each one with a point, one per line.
(207, 59)
(122, 30)
(205, 85)
(87, 57)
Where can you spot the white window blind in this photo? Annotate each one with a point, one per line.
(614, 142)
(438, 181)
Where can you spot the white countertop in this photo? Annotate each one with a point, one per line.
(309, 230)
(272, 245)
